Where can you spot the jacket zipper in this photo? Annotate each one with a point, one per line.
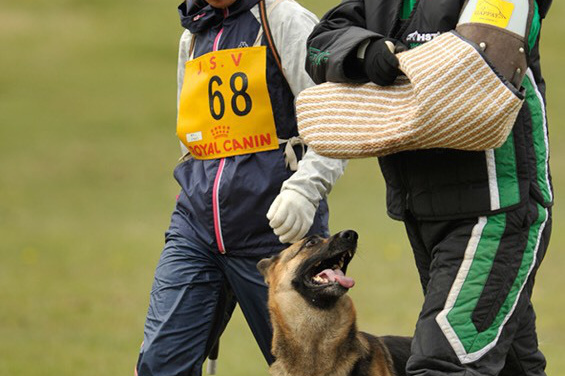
(218, 179)
(216, 207)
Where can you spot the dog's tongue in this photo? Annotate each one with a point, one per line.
(337, 275)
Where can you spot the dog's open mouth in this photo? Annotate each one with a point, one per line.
(332, 271)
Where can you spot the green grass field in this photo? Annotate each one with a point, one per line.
(87, 138)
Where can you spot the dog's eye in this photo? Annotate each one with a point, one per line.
(312, 242)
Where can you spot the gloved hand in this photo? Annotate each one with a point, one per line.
(291, 215)
(380, 63)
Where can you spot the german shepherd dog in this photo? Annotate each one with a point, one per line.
(314, 324)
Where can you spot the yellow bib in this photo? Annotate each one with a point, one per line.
(225, 108)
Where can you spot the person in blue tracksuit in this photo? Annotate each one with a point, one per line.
(479, 222)
(248, 187)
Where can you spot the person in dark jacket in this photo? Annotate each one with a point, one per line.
(247, 187)
(479, 222)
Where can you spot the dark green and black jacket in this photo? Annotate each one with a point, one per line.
(441, 183)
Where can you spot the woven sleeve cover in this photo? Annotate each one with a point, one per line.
(450, 98)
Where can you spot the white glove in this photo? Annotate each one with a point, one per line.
(291, 216)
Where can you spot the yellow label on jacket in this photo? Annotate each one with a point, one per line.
(493, 12)
(225, 108)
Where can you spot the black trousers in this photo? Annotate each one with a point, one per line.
(477, 275)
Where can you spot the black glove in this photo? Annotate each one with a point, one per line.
(380, 64)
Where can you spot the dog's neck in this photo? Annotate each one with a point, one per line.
(307, 338)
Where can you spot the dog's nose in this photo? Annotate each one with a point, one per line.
(349, 235)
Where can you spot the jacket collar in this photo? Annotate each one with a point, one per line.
(197, 15)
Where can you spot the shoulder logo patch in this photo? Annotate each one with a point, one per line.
(317, 56)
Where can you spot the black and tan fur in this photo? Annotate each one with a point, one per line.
(314, 325)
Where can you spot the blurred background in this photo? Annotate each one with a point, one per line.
(88, 145)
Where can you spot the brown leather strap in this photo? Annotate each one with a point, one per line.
(268, 35)
(266, 31)
(191, 48)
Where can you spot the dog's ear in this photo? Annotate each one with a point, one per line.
(265, 265)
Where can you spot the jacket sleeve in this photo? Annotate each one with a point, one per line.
(333, 44)
(543, 7)
(290, 25)
(184, 47)
(315, 177)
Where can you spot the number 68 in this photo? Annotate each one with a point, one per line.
(213, 95)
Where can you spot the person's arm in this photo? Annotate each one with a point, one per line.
(341, 49)
(184, 50)
(335, 42)
(290, 25)
(292, 213)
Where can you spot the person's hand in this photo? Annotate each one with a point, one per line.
(291, 215)
(380, 63)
